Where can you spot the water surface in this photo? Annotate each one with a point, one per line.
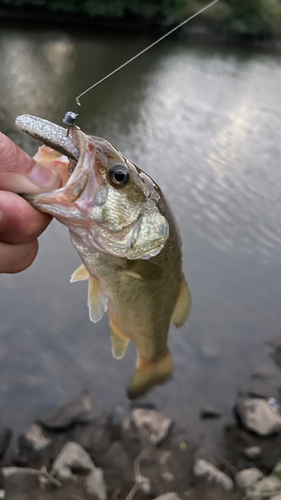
(205, 122)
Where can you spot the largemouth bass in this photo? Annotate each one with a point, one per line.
(128, 240)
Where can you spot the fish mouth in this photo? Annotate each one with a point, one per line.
(76, 146)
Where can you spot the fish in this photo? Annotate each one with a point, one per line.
(127, 237)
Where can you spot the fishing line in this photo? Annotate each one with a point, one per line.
(143, 51)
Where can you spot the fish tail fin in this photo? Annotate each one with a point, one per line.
(147, 375)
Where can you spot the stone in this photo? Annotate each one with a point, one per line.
(95, 484)
(207, 471)
(168, 496)
(34, 438)
(257, 415)
(209, 412)
(152, 423)
(77, 411)
(24, 480)
(247, 477)
(252, 452)
(20, 479)
(71, 457)
(5, 438)
(276, 497)
(277, 470)
(265, 488)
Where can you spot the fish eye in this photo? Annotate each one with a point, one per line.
(119, 174)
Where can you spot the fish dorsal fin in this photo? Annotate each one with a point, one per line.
(80, 274)
(97, 301)
(182, 307)
(143, 269)
(119, 343)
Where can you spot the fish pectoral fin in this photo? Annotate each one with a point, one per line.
(80, 274)
(147, 375)
(143, 269)
(182, 307)
(119, 343)
(97, 301)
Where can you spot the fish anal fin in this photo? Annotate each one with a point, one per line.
(182, 307)
(80, 274)
(119, 343)
(97, 301)
(143, 269)
(147, 375)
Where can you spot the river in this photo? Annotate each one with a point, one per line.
(205, 122)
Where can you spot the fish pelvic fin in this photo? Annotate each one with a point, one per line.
(183, 304)
(143, 269)
(80, 274)
(119, 343)
(97, 301)
(147, 375)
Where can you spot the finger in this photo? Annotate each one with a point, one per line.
(19, 221)
(22, 174)
(17, 258)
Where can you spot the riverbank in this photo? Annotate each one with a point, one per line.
(82, 452)
(216, 25)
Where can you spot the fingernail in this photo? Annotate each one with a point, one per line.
(44, 177)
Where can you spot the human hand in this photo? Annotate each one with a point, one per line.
(20, 223)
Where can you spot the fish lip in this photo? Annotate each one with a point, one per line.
(49, 134)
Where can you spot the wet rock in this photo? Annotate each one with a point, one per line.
(257, 415)
(169, 496)
(95, 484)
(80, 410)
(34, 438)
(277, 470)
(206, 470)
(92, 437)
(265, 488)
(20, 480)
(209, 412)
(252, 452)
(247, 477)
(71, 458)
(5, 439)
(152, 423)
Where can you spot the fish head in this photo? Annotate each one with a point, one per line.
(108, 203)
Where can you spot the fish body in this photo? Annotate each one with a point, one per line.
(128, 240)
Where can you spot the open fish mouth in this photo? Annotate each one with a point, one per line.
(75, 146)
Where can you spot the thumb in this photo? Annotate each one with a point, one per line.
(22, 174)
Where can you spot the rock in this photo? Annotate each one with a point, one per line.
(20, 480)
(95, 484)
(209, 412)
(169, 496)
(144, 484)
(71, 457)
(247, 477)
(265, 488)
(277, 470)
(80, 410)
(5, 439)
(210, 473)
(276, 497)
(24, 480)
(34, 438)
(152, 423)
(257, 415)
(252, 452)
